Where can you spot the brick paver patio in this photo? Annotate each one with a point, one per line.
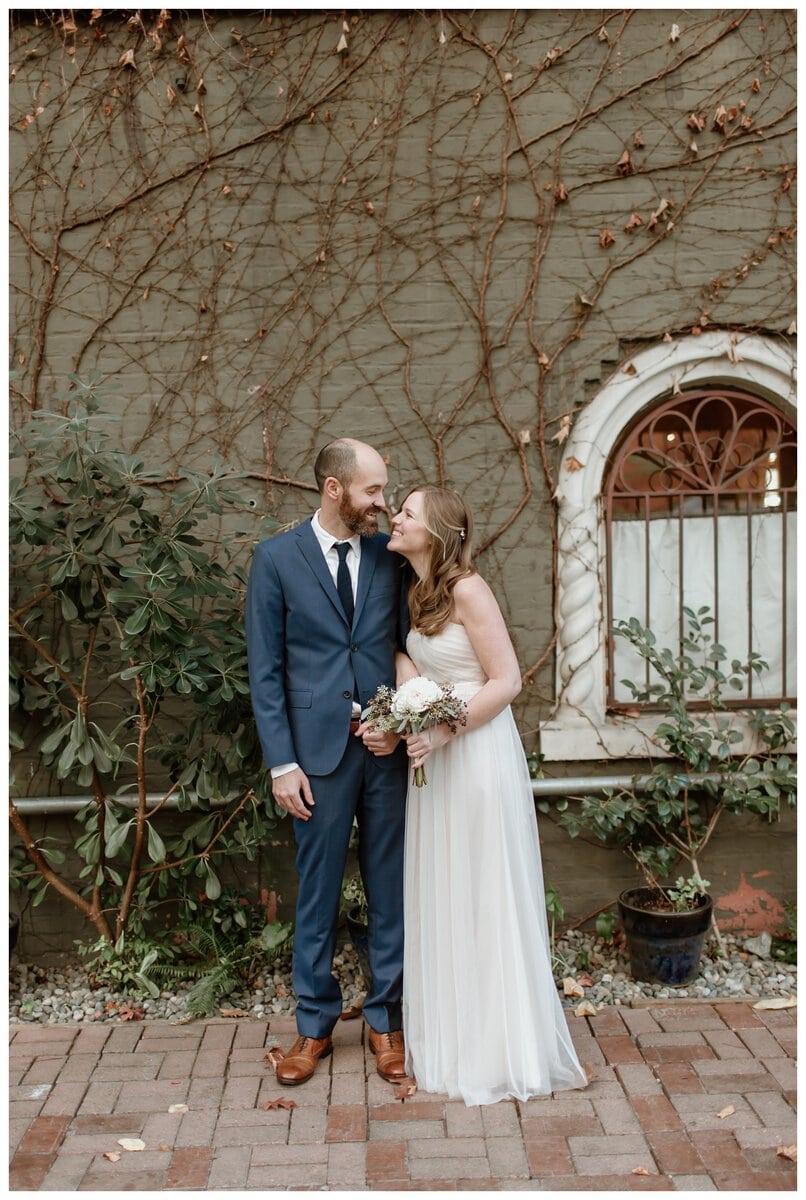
(698, 1096)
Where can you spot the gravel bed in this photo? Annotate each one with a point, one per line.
(63, 995)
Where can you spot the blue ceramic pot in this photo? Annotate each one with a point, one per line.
(664, 947)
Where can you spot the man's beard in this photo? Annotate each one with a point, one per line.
(358, 520)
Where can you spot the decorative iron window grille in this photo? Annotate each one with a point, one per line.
(701, 505)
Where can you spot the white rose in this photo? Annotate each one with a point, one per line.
(414, 696)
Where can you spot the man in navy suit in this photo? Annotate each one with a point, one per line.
(325, 615)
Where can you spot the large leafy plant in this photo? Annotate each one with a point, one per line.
(128, 665)
(672, 817)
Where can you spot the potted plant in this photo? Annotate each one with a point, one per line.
(671, 818)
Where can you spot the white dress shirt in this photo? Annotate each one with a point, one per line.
(328, 545)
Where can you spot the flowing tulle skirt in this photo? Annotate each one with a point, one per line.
(482, 1016)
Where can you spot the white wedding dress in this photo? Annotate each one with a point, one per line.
(481, 1014)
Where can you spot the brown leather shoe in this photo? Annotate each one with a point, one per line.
(390, 1054)
(300, 1062)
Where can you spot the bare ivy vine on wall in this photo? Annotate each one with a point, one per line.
(433, 230)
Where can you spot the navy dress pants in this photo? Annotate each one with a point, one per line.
(374, 792)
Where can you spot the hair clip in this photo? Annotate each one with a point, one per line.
(462, 534)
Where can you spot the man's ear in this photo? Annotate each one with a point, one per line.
(332, 489)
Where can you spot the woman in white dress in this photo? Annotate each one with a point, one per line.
(481, 1013)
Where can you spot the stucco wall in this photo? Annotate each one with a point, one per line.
(442, 239)
(750, 866)
(263, 243)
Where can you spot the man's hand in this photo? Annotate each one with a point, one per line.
(379, 744)
(292, 791)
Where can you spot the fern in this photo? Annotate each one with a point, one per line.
(233, 961)
(212, 987)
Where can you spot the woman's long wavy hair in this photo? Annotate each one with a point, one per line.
(450, 523)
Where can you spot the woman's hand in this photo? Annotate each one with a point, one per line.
(420, 745)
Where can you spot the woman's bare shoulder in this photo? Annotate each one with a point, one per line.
(471, 593)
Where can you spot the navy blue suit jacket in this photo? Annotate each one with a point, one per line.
(304, 659)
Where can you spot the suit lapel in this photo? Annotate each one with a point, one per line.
(369, 558)
(312, 552)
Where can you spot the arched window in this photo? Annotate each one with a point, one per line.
(669, 494)
(700, 511)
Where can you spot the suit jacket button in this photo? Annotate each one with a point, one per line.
(347, 695)
(354, 647)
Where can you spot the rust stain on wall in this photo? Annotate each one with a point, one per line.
(749, 910)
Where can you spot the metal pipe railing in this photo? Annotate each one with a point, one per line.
(570, 785)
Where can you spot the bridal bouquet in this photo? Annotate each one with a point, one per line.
(416, 705)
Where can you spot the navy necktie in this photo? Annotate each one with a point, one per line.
(344, 585)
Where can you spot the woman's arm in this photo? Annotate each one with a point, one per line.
(477, 609)
(404, 668)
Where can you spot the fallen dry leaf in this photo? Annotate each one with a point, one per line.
(165, 1148)
(274, 1055)
(128, 1012)
(728, 1111)
(281, 1102)
(585, 1009)
(572, 987)
(113, 1155)
(585, 980)
(777, 1002)
(132, 1143)
(641, 1171)
(232, 1012)
(177, 1108)
(407, 1087)
(790, 1152)
(355, 1010)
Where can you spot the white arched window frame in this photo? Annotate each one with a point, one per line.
(581, 728)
